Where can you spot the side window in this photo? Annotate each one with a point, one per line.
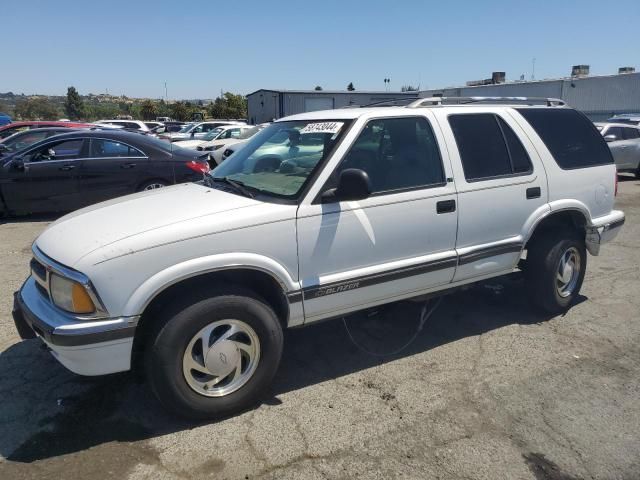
(198, 129)
(571, 138)
(630, 133)
(65, 150)
(488, 146)
(616, 132)
(234, 133)
(101, 148)
(397, 154)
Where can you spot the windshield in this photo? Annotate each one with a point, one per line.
(280, 159)
(213, 134)
(187, 128)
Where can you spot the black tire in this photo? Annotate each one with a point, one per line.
(152, 183)
(181, 322)
(542, 265)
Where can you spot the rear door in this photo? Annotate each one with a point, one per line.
(48, 179)
(501, 186)
(111, 169)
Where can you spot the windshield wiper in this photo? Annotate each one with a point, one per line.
(239, 186)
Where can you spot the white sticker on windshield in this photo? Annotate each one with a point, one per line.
(324, 127)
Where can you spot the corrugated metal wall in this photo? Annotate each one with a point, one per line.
(598, 97)
(265, 105)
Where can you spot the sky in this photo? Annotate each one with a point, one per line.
(202, 47)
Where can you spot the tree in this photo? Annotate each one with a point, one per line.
(318, 88)
(148, 110)
(229, 105)
(38, 108)
(73, 105)
(408, 88)
(350, 87)
(179, 111)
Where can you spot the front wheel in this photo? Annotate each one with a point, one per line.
(215, 355)
(556, 265)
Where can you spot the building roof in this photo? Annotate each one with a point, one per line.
(336, 92)
(538, 81)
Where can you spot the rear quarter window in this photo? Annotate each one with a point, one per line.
(571, 138)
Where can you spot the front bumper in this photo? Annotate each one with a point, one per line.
(603, 230)
(86, 347)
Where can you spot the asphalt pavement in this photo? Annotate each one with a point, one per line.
(489, 390)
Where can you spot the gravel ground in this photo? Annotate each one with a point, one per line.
(489, 390)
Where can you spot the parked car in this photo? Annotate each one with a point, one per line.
(196, 283)
(197, 130)
(15, 127)
(227, 133)
(4, 119)
(83, 167)
(628, 118)
(163, 119)
(168, 127)
(21, 140)
(624, 142)
(128, 124)
(152, 125)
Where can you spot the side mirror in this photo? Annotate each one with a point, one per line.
(193, 134)
(353, 184)
(17, 164)
(610, 138)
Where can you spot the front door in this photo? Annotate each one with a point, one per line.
(398, 242)
(46, 179)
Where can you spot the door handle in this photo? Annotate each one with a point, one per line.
(446, 206)
(66, 168)
(128, 165)
(533, 192)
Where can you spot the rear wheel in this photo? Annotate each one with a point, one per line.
(152, 185)
(555, 268)
(214, 354)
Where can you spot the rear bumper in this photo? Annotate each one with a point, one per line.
(603, 230)
(84, 347)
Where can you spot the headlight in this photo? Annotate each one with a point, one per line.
(217, 147)
(208, 149)
(69, 295)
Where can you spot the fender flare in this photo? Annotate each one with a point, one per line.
(153, 286)
(550, 209)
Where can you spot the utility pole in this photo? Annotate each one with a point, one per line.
(165, 92)
(533, 69)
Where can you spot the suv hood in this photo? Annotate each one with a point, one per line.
(78, 234)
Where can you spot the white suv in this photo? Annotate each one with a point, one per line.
(319, 215)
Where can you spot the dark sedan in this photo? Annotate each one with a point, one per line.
(76, 169)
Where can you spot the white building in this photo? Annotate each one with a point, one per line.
(599, 97)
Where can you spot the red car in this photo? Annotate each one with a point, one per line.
(15, 127)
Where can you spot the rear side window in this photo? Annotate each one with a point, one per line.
(630, 133)
(488, 147)
(571, 138)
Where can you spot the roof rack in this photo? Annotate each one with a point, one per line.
(438, 101)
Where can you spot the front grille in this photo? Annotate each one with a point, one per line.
(41, 276)
(38, 270)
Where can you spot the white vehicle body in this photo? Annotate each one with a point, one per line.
(624, 142)
(198, 130)
(218, 137)
(131, 124)
(327, 259)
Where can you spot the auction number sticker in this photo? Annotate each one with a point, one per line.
(324, 127)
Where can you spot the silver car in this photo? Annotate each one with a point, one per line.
(624, 142)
